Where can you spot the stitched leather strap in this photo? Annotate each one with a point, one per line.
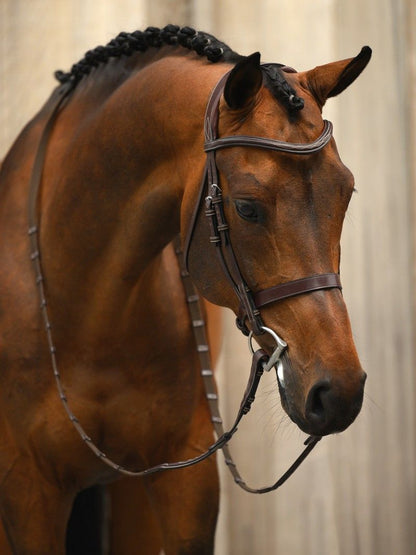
(273, 144)
(296, 287)
(59, 96)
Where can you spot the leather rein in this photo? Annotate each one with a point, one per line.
(250, 302)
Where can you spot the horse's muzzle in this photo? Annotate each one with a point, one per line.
(330, 408)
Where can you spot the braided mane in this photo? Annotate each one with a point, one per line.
(204, 44)
(125, 44)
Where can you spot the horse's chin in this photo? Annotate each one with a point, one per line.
(288, 405)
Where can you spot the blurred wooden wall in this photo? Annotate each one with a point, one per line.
(357, 492)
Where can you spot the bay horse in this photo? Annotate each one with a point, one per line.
(120, 177)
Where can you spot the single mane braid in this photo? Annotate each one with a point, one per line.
(281, 88)
(125, 44)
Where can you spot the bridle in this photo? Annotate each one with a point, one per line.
(250, 302)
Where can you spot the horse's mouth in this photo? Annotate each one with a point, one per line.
(281, 385)
(280, 373)
(286, 405)
(285, 398)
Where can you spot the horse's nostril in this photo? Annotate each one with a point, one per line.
(316, 403)
(330, 408)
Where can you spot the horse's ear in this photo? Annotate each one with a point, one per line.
(244, 82)
(331, 79)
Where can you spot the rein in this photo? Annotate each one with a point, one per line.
(260, 363)
(250, 303)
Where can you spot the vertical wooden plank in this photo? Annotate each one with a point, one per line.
(378, 280)
(163, 12)
(49, 36)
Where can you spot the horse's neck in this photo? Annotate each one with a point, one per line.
(114, 182)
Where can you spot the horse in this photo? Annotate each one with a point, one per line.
(124, 150)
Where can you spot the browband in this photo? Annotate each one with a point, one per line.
(273, 144)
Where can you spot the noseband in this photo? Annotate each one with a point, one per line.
(250, 303)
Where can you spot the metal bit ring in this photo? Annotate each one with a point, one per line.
(275, 356)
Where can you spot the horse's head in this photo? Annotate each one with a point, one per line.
(285, 213)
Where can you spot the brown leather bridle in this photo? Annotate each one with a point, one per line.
(250, 302)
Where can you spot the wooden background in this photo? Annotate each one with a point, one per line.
(357, 493)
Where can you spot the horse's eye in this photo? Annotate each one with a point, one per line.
(247, 209)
